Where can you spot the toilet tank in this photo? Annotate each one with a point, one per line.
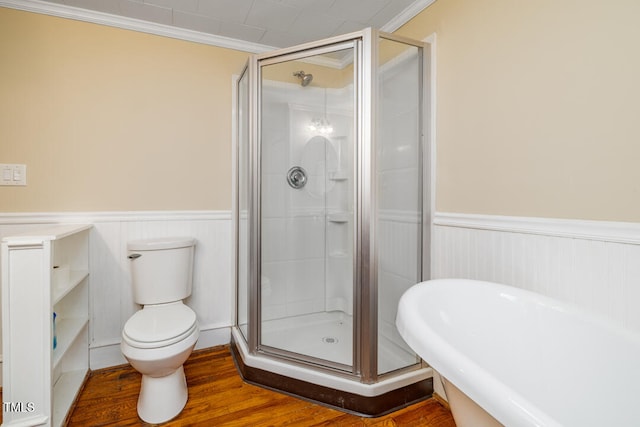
(161, 269)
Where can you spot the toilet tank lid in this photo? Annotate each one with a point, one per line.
(161, 243)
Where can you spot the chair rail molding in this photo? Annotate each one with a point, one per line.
(110, 216)
(605, 231)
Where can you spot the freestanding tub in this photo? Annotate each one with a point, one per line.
(525, 359)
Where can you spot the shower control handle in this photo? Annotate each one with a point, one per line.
(297, 177)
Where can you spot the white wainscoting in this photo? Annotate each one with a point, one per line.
(111, 301)
(593, 264)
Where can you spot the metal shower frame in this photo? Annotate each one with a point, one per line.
(365, 363)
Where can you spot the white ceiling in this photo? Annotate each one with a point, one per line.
(259, 24)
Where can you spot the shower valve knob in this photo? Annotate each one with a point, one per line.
(297, 177)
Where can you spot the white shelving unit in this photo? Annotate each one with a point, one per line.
(43, 273)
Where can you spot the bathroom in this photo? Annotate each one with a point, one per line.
(535, 147)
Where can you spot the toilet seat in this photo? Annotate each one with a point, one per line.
(159, 325)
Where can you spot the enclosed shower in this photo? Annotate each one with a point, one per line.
(332, 218)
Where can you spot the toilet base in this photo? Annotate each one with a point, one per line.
(162, 398)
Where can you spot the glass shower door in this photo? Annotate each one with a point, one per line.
(399, 192)
(307, 116)
(242, 201)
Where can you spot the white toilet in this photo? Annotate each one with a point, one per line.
(158, 339)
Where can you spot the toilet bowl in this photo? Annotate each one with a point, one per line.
(159, 338)
(163, 391)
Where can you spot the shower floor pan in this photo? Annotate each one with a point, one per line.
(325, 336)
(328, 336)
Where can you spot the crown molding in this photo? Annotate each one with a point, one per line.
(117, 21)
(102, 18)
(406, 15)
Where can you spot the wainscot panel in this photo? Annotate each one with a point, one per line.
(111, 301)
(593, 264)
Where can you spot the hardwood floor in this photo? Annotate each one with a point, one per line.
(219, 397)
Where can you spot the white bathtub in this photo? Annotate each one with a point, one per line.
(526, 359)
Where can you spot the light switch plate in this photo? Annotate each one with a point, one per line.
(13, 174)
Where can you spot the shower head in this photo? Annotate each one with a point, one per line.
(305, 79)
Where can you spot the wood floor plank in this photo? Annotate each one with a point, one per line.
(219, 397)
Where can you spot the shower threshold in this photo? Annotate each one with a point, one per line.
(334, 390)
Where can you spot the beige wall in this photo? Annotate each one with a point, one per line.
(537, 112)
(109, 119)
(538, 106)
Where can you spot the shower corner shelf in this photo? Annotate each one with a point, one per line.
(338, 175)
(339, 217)
(338, 254)
(49, 273)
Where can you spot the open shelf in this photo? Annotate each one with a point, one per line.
(68, 330)
(66, 389)
(63, 285)
(50, 274)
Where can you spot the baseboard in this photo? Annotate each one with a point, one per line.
(441, 400)
(107, 356)
(214, 337)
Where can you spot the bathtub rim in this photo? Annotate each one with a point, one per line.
(473, 380)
